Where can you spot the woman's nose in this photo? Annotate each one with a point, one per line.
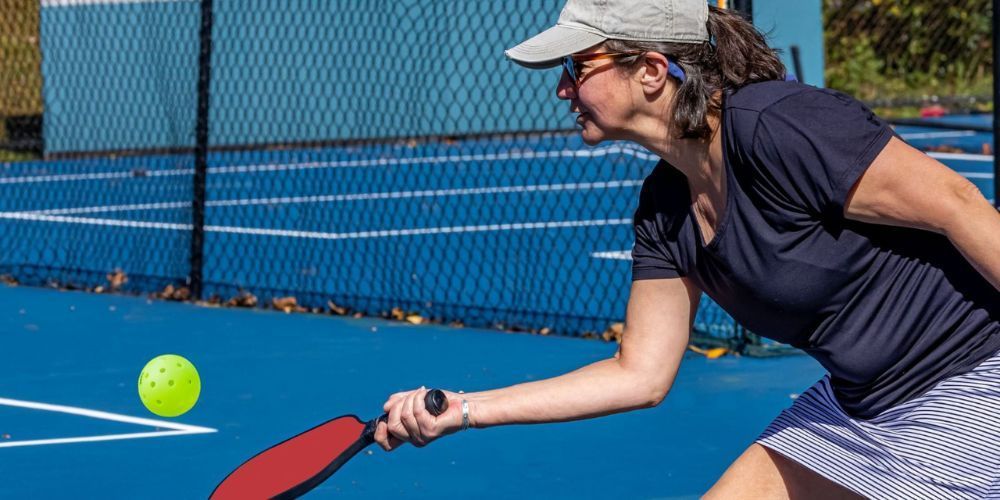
(566, 89)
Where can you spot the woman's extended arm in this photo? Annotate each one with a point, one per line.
(905, 187)
(658, 323)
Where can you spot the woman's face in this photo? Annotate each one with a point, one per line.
(602, 97)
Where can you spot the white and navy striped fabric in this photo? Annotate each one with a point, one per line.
(943, 444)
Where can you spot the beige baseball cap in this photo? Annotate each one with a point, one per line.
(585, 23)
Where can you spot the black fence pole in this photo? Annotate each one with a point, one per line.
(201, 151)
(797, 63)
(745, 7)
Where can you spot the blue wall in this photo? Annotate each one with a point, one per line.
(795, 22)
(119, 77)
(122, 75)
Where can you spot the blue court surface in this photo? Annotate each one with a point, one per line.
(72, 425)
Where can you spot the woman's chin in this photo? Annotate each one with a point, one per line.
(590, 140)
(590, 134)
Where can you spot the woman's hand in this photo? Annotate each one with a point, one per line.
(410, 422)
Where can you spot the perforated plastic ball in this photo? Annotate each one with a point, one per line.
(169, 385)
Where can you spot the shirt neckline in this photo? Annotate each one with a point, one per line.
(720, 228)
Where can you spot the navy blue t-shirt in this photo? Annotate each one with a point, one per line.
(889, 311)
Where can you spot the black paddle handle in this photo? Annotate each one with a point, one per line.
(435, 401)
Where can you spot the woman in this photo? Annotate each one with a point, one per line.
(807, 219)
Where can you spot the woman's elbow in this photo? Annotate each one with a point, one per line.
(653, 394)
(647, 387)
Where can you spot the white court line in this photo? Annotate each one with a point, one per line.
(421, 231)
(38, 179)
(385, 162)
(938, 135)
(176, 429)
(389, 195)
(960, 156)
(614, 255)
(390, 162)
(94, 439)
(95, 222)
(315, 235)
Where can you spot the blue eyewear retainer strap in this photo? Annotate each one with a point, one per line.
(674, 70)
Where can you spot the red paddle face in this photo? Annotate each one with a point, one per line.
(295, 466)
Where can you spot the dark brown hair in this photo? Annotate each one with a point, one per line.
(737, 55)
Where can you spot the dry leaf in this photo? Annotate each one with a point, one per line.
(117, 279)
(614, 332)
(718, 352)
(171, 293)
(415, 319)
(335, 309)
(244, 299)
(713, 353)
(8, 280)
(397, 314)
(287, 304)
(181, 294)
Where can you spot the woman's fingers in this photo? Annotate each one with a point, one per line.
(410, 421)
(386, 441)
(395, 426)
(393, 399)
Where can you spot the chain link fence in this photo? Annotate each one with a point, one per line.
(904, 55)
(343, 157)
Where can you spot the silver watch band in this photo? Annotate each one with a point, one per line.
(465, 415)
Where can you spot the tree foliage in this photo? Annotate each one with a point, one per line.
(906, 50)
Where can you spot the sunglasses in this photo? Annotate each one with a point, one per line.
(574, 65)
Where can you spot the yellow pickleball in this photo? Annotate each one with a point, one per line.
(169, 385)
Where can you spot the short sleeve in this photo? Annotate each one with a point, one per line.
(652, 256)
(815, 145)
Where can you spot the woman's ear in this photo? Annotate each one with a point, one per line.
(654, 72)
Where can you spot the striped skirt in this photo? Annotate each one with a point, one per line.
(942, 444)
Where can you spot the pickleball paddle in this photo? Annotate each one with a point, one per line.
(293, 467)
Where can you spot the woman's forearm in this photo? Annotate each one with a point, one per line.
(595, 390)
(977, 237)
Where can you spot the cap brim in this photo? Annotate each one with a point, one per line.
(546, 49)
